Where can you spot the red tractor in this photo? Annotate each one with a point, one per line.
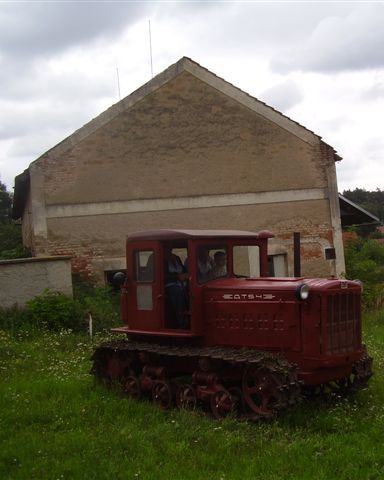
(206, 322)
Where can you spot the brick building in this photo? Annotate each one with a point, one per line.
(186, 150)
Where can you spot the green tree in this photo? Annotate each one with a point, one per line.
(11, 244)
(364, 259)
(373, 202)
(5, 205)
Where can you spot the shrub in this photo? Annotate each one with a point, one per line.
(14, 318)
(364, 260)
(11, 243)
(103, 304)
(55, 311)
(83, 285)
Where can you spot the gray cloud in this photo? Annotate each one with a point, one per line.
(374, 92)
(20, 120)
(32, 34)
(339, 43)
(40, 81)
(374, 146)
(41, 29)
(283, 96)
(258, 28)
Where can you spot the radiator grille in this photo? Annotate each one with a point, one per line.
(343, 322)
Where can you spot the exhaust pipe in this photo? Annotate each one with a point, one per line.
(296, 255)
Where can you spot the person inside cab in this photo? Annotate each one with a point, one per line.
(176, 276)
(204, 264)
(219, 268)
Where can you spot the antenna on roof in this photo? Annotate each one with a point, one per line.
(150, 46)
(118, 81)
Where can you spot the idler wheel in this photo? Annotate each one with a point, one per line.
(132, 387)
(186, 397)
(162, 394)
(260, 391)
(222, 403)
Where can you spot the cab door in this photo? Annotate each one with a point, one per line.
(144, 286)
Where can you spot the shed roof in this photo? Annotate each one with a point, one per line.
(353, 214)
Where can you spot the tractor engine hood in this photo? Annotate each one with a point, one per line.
(275, 289)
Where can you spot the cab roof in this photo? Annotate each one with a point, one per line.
(172, 234)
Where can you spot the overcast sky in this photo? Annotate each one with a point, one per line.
(320, 63)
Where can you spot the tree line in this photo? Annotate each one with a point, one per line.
(11, 244)
(373, 202)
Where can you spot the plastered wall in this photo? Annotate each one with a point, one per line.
(23, 279)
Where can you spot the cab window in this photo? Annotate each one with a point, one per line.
(211, 262)
(144, 266)
(144, 275)
(246, 261)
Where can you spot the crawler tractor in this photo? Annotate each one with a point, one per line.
(252, 343)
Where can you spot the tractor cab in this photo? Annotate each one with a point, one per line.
(168, 271)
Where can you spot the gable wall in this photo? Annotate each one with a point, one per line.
(197, 140)
(186, 156)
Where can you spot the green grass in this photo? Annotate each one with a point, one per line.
(56, 423)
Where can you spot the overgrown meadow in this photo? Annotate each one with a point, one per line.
(56, 423)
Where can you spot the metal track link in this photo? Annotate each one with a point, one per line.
(281, 373)
(235, 356)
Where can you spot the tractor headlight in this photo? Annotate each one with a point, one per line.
(302, 292)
